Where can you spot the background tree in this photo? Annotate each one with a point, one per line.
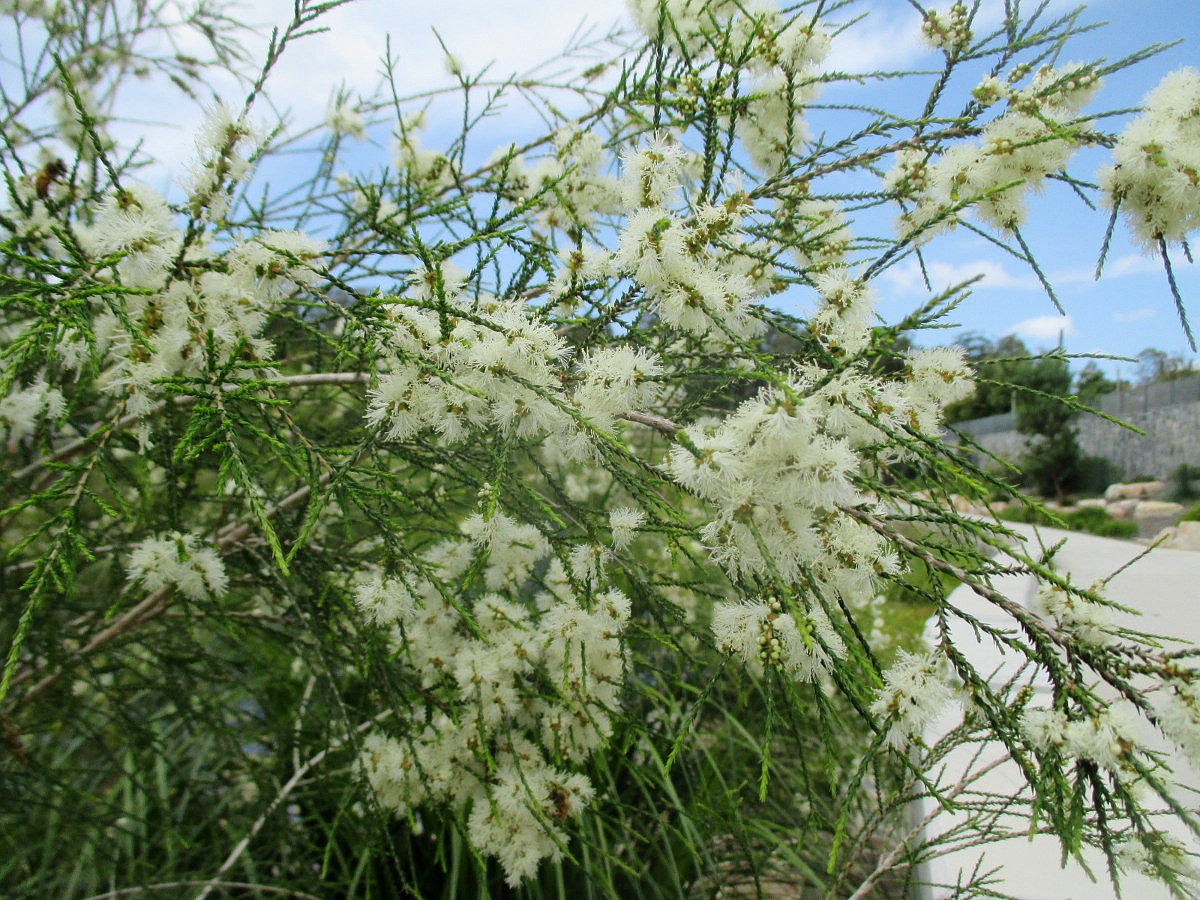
(1091, 384)
(1051, 462)
(999, 364)
(1155, 366)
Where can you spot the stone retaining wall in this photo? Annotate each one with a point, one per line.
(1169, 414)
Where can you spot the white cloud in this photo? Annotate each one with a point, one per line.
(907, 277)
(1145, 312)
(889, 38)
(879, 42)
(514, 36)
(1044, 328)
(1129, 264)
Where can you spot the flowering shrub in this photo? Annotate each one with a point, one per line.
(480, 521)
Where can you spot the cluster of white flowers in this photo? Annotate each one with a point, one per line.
(1156, 173)
(762, 634)
(571, 181)
(693, 288)
(1084, 619)
(779, 469)
(950, 32)
(468, 365)
(1133, 855)
(843, 318)
(1033, 138)
(491, 363)
(137, 224)
(224, 146)
(179, 559)
(428, 168)
(780, 51)
(615, 380)
(187, 312)
(1105, 738)
(623, 522)
(776, 480)
(1177, 712)
(914, 694)
(21, 409)
(525, 683)
(513, 548)
(342, 118)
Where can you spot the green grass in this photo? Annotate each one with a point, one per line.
(911, 599)
(1090, 519)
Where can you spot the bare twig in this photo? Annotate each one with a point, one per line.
(284, 791)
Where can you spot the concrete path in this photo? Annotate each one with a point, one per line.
(1165, 587)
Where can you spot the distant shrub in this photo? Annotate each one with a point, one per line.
(1094, 474)
(1096, 521)
(1183, 482)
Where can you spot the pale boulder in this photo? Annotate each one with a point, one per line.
(1184, 536)
(1138, 490)
(1153, 515)
(1122, 509)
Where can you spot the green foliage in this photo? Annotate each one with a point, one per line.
(1096, 473)
(1183, 482)
(311, 513)
(1001, 366)
(1091, 384)
(1090, 519)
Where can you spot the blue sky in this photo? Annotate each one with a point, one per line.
(1128, 310)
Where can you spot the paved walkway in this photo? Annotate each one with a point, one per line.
(1165, 586)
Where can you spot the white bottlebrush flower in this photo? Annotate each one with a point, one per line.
(1032, 139)
(342, 118)
(276, 261)
(941, 373)
(223, 148)
(1133, 856)
(623, 522)
(650, 175)
(1103, 738)
(1045, 728)
(384, 600)
(762, 634)
(1083, 618)
(136, 222)
(616, 380)
(915, 692)
(1177, 709)
(1156, 160)
(21, 410)
(179, 559)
